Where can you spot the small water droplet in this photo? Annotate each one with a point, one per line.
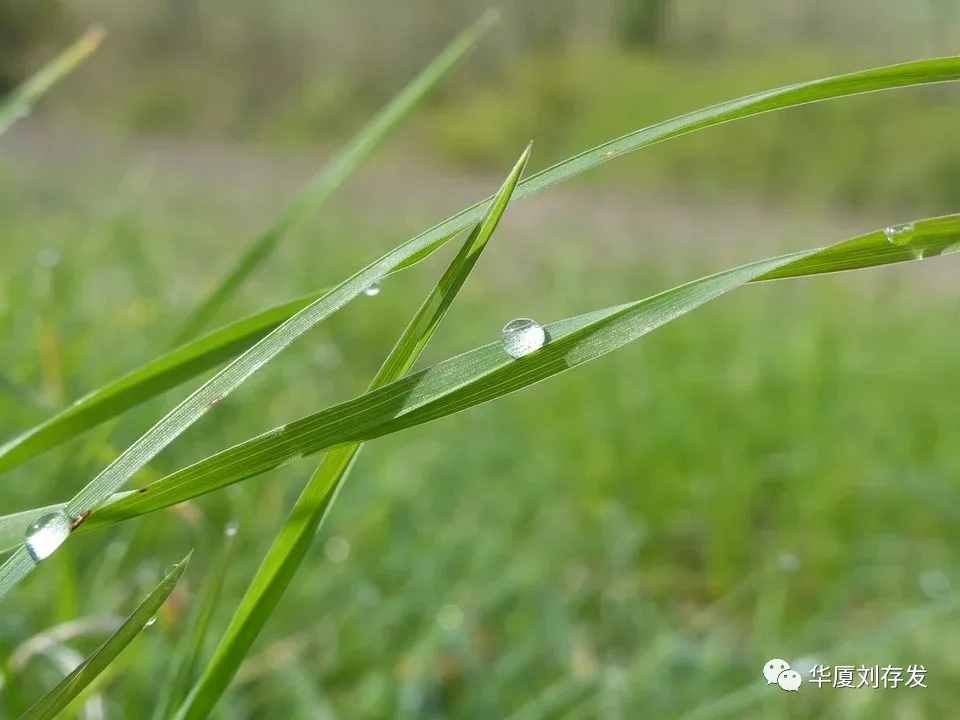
(903, 236)
(373, 290)
(925, 242)
(522, 337)
(150, 622)
(899, 234)
(337, 549)
(45, 535)
(231, 528)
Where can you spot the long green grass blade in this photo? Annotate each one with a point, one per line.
(187, 659)
(55, 701)
(155, 377)
(323, 185)
(289, 548)
(22, 100)
(164, 372)
(197, 404)
(487, 372)
(147, 381)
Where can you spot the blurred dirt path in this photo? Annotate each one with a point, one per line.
(616, 220)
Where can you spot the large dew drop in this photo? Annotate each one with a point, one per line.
(47, 534)
(373, 290)
(522, 337)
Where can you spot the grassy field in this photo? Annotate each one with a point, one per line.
(772, 476)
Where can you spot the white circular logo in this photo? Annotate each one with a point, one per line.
(777, 671)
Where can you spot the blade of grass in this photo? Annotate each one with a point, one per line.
(189, 651)
(487, 372)
(291, 544)
(223, 383)
(322, 186)
(920, 72)
(22, 100)
(155, 377)
(73, 684)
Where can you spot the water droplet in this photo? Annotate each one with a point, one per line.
(337, 549)
(925, 242)
(373, 290)
(231, 528)
(150, 622)
(47, 534)
(899, 234)
(522, 337)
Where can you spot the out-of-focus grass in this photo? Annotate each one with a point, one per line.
(654, 528)
(869, 151)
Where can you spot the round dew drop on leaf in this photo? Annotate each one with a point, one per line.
(522, 337)
(45, 535)
(373, 290)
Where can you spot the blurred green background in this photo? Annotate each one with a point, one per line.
(775, 475)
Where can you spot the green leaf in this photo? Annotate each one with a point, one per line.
(155, 377)
(147, 381)
(336, 172)
(223, 383)
(165, 372)
(290, 546)
(487, 372)
(73, 684)
(188, 654)
(22, 100)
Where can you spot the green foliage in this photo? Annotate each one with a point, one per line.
(58, 699)
(869, 153)
(483, 374)
(22, 99)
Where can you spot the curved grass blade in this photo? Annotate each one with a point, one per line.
(480, 375)
(335, 174)
(73, 684)
(147, 381)
(290, 546)
(196, 405)
(913, 73)
(22, 100)
(487, 372)
(157, 376)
